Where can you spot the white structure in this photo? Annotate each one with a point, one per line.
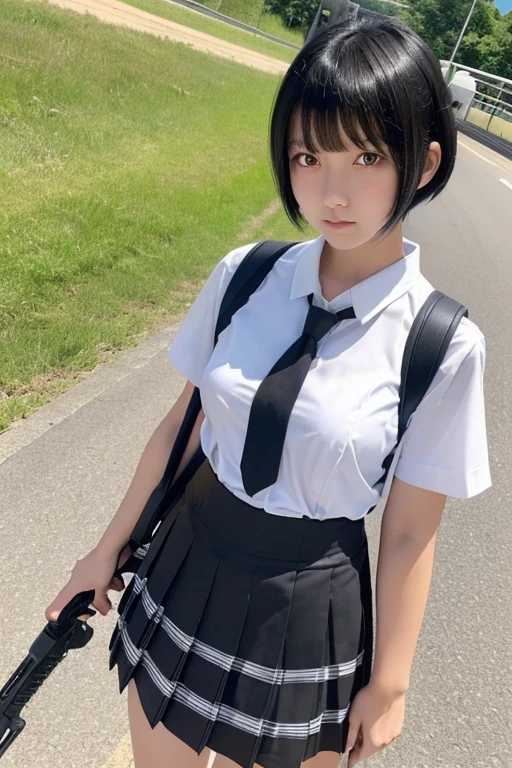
(499, 105)
(462, 89)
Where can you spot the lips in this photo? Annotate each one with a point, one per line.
(338, 224)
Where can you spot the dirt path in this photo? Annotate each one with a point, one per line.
(114, 12)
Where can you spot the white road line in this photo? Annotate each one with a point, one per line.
(506, 183)
(482, 157)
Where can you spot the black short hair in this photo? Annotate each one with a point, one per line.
(383, 83)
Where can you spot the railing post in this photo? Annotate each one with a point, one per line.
(493, 109)
(316, 22)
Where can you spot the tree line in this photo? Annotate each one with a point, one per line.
(487, 43)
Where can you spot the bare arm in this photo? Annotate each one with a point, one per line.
(95, 570)
(149, 472)
(407, 543)
(408, 534)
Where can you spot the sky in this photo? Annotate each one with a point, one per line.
(504, 5)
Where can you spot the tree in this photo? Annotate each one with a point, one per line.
(295, 13)
(387, 9)
(487, 44)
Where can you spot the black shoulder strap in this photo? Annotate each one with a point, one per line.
(248, 276)
(429, 338)
(427, 343)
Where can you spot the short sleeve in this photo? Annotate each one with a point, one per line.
(444, 448)
(193, 344)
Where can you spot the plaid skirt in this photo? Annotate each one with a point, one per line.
(249, 633)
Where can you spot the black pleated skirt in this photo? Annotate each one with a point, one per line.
(249, 633)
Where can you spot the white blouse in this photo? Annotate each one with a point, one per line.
(344, 422)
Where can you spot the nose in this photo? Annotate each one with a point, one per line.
(335, 190)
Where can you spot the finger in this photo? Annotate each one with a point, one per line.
(55, 607)
(365, 748)
(354, 755)
(116, 584)
(124, 556)
(102, 603)
(353, 731)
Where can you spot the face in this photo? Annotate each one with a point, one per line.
(345, 196)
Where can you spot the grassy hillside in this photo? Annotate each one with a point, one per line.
(128, 166)
(181, 15)
(249, 13)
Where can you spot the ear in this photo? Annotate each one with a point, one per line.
(431, 164)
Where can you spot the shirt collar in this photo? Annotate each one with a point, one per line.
(367, 297)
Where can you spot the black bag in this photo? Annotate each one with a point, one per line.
(428, 340)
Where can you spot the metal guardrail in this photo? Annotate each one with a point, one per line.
(486, 99)
(493, 97)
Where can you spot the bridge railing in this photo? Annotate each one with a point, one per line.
(493, 98)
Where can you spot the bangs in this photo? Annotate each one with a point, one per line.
(327, 127)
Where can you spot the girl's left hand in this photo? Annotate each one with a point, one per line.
(376, 718)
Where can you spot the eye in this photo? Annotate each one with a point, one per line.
(368, 159)
(305, 160)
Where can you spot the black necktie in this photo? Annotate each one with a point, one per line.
(275, 398)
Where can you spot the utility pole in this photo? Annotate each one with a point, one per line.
(315, 24)
(450, 63)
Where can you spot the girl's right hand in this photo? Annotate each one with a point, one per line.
(94, 571)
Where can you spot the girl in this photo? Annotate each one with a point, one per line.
(251, 634)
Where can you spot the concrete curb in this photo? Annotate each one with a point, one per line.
(23, 432)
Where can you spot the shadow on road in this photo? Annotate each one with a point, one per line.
(502, 146)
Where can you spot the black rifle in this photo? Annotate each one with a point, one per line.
(47, 650)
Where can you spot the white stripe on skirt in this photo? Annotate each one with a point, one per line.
(188, 644)
(221, 712)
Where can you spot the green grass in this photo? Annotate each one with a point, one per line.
(252, 12)
(181, 15)
(498, 126)
(248, 12)
(128, 166)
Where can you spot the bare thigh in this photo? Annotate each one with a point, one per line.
(157, 747)
(323, 760)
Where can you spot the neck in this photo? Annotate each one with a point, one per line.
(350, 267)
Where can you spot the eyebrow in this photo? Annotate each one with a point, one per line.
(296, 143)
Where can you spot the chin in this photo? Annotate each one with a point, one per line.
(345, 240)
